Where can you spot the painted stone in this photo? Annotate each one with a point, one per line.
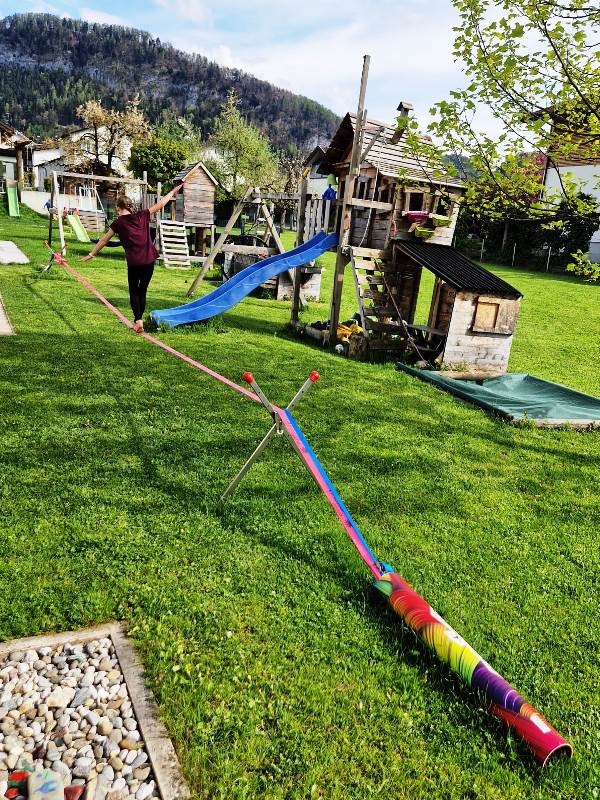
(74, 792)
(18, 778)
(45, 785)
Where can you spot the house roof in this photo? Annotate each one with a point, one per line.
(389, 158)
(12, 135)
(315, 156)
(455, 269)
(187, 171)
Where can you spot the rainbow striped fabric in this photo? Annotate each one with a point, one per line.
(505, 702)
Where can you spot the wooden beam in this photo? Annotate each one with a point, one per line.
(371, 204)
(299, 241)
(344, 231)
(249, 250)
(366, 252)
(101, 178)
(61, 232)
(221, 240)
(369, 147)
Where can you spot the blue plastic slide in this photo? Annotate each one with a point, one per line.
(235, 289)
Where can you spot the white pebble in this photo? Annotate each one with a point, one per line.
(145, 791)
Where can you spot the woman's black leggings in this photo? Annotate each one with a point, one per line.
(139, 278)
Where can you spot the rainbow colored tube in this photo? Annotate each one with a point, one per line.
(505, 702)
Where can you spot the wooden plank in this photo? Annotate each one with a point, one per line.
(249, 250)
(353, 201)
(326, 216)
(367, 252)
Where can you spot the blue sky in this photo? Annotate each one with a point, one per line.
(313, 47)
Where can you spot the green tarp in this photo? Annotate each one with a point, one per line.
(519, 397)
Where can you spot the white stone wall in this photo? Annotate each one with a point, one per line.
(475, 351)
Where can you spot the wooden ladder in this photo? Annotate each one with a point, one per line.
(369, 269)
(174, 244)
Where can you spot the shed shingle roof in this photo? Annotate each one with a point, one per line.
(455, 269)
(181, 176)
(391, 159)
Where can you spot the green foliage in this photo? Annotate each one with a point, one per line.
(582, 266)
(563, 230)
(52, 59)
(245, 155)
(535, 67)
(182, 130)
(160, 158)
(277, 672)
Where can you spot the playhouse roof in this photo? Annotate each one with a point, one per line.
(455, 269)
(390, 159)
(187, 171)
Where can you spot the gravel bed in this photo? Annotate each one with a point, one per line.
(67, 708)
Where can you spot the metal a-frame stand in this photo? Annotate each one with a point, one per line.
(251, 197)
(276, 428)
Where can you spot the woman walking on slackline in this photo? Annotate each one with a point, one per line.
(133, 229)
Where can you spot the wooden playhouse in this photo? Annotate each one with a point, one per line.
(196, 205)
(396, 216)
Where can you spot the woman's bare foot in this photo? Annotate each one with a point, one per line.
(138, 326)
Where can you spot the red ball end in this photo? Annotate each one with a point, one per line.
(314, 376)
(248, 377)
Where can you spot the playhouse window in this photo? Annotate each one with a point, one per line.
(362, 190)
(495, 315)
(415, 201)
(444, 206)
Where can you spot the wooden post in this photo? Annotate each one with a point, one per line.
(220, 241)
(51, 213)
(158, 196)
(346, 215)
(299, 241)
(61, 232)
(20, 170)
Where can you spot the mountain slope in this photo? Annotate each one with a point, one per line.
(49, 65)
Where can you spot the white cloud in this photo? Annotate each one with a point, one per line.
(101, 17)
(190, 10)
(42, 7)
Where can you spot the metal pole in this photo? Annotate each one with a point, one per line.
(548, 260)
(513, 255)
(275, 428)
(482, 248)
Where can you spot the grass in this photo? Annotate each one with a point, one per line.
(278, 672)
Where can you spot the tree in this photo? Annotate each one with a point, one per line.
(110, 133)
(291, 167)
(160, 158)
(183, 131)
(244, 156)
(537, 70)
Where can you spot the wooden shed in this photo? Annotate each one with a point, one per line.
(196, 205)
(198, 196)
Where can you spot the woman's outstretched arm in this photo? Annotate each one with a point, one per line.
(100, 244)
(166, 199)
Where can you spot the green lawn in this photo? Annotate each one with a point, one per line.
(278, 672)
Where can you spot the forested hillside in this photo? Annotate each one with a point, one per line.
(49, 65)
